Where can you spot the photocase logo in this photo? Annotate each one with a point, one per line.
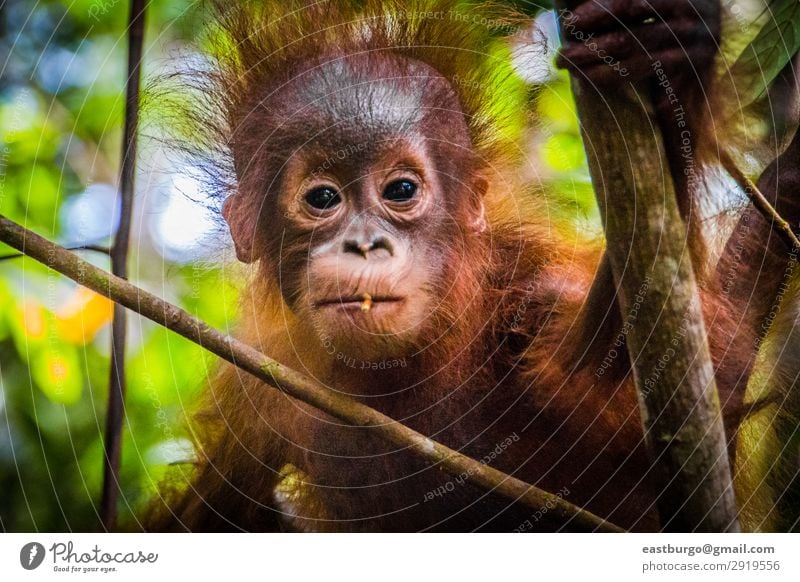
(31, 555)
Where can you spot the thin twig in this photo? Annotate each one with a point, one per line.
(294, 383)
(760, 202)
(119, 266)
(94, 248)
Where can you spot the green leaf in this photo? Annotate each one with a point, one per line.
(769, 52)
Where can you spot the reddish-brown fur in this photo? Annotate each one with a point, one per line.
(519, 349)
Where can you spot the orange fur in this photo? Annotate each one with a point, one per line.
(514, 352)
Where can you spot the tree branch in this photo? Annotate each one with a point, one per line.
(760, 202)
(647, 249)
(119, 266)
(291, 382)
(94, 248)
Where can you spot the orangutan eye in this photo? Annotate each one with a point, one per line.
(323, 198)
(400, 191)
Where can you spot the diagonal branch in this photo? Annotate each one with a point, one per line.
(94, 248)
(291, 382)
(760, 202)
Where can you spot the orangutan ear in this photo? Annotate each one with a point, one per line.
(243, 224)
(479, 188)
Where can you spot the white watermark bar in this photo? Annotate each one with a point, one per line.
(401, 557)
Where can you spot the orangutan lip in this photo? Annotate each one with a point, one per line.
(356, 300)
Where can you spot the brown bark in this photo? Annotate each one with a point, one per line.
(289, 381)
(647, 240)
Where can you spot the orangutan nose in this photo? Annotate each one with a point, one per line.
(367, 245)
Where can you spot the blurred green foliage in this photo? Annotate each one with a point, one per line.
(61, 117)
(61, 108)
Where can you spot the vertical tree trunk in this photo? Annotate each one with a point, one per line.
(119, 266)
(647, 242)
